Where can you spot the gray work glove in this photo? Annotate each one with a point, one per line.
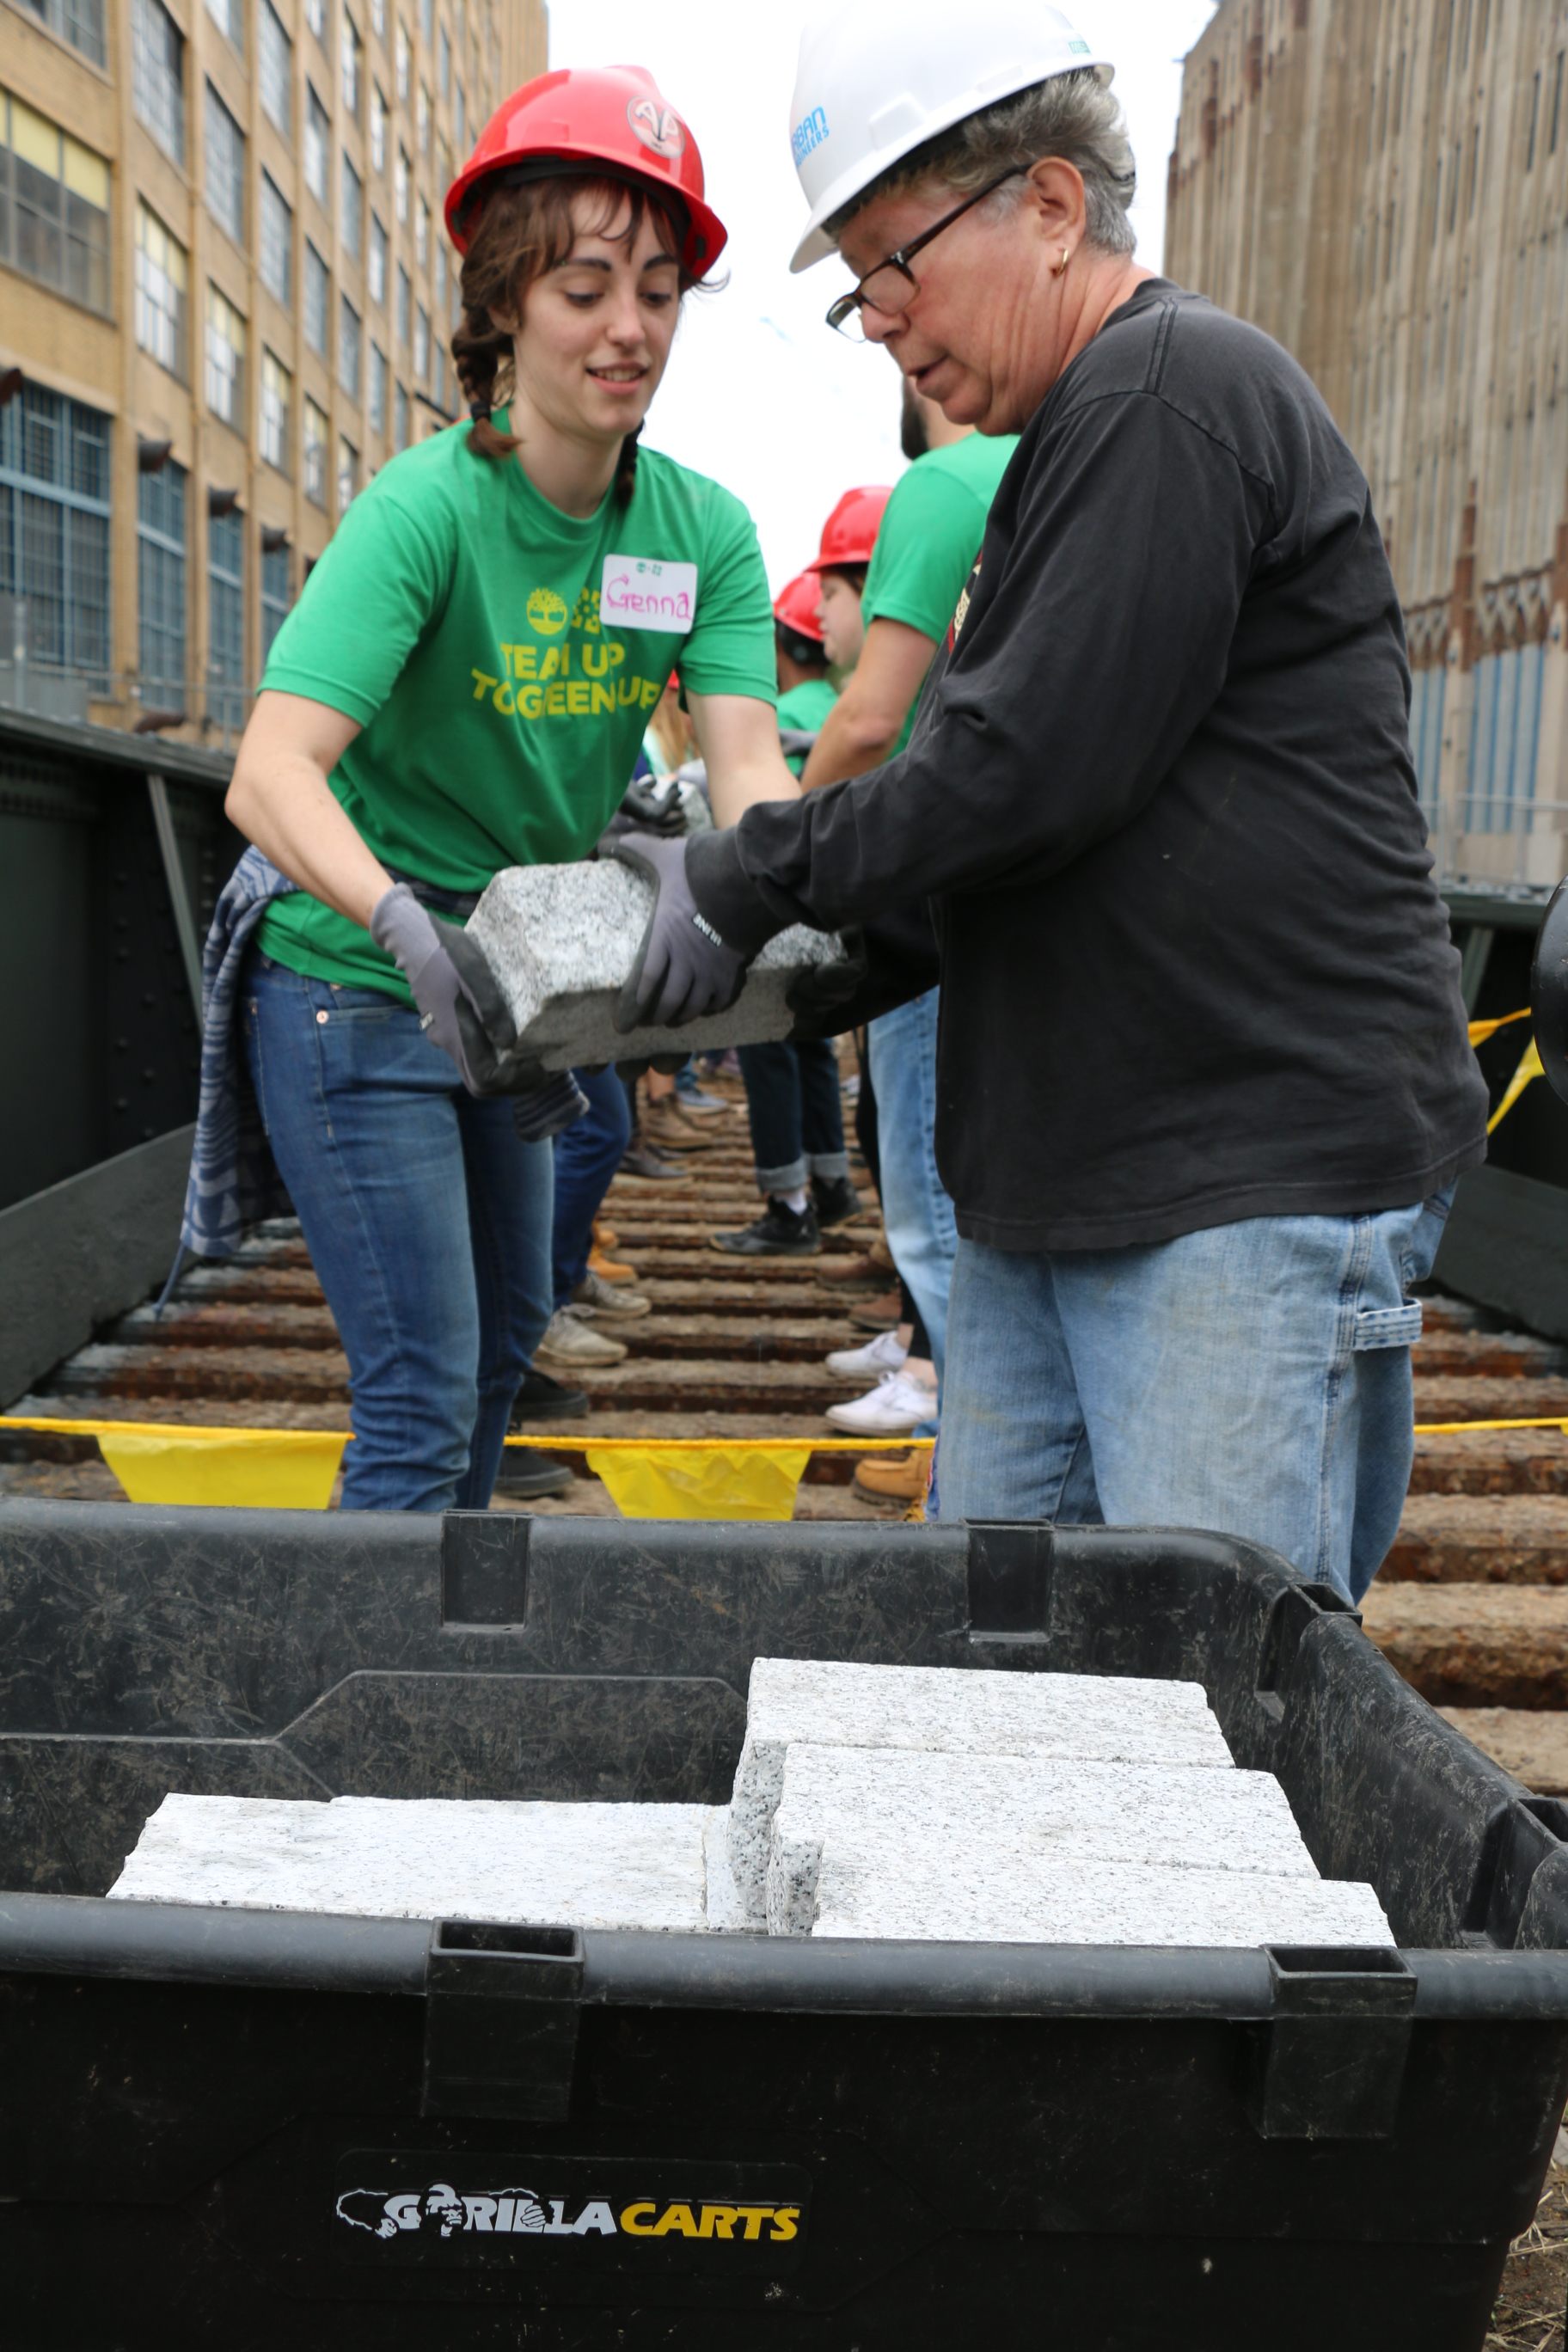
(410, 935)
(461, 1011)
(683, 968)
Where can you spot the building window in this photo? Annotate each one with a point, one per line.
(349, 346)
(354, 209)
(404, 305)
(440, 279)
(157, 75)
(422, 121)
(401, 61)
(54, 533)
(443, 65)
(1534, 121)
(400, 418)
(276, 256)
(160, 281)
(277, 400)
(225, 619)
(317, 300)
(226, 167)
(350, 63)
(422, 234)
(379, 376)
(161, 585)
(316, 17)
(79, 22)
(313, 453)
(377, 264)
(377, 129)
(459, 117)
(274, 594)
(228, 16)
(318, 148)
(427, 21)
(54, 205)
(422, 341)
(347, 473)
(225, 359)
(378, 18)
(400, 185)
(440, 375)
(275, 52)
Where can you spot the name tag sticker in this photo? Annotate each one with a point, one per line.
(640, 592)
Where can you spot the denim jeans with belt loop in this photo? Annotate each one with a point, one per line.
(427, 1220)
(1251, 1379)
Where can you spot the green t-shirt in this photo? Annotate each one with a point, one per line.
(805, 705)
(930, 536)
(465, 622)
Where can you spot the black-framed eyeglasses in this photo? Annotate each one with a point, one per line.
(899, 284)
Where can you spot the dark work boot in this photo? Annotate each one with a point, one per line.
(835, 1199)
(542, 1399)
(779, 1232)
(525, 1471)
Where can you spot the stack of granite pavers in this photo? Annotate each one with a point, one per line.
(893, 1801)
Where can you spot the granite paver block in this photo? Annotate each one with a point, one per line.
(958, 1898)
(561, 940)
(1018, 1817)
(584, 1865)
(1094, 1717)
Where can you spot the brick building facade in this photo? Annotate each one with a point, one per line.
(1383, 185)
(226, 297)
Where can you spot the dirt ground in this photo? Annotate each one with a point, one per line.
(1529, 2314)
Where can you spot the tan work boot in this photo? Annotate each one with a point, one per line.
(609, 1269)
(900, 1478)
(668, 1129)
(596, 1297)
(570, 1340)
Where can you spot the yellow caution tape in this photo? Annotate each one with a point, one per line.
(1529, 1069)
(1458, 1428)
(1481, 1030)
(295, 1469)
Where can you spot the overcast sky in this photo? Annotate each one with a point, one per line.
(760, 393)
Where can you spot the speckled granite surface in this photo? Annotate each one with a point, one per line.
(1021, 1816)
(960, 1897)
(561, 940)
(588, 1866)
(1092, 1717)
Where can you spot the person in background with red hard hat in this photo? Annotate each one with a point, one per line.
(463, 687)
(792, 1096)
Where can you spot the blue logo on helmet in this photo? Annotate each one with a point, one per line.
(808, 133)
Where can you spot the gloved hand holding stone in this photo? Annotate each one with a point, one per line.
(684, 967)
(412, 938)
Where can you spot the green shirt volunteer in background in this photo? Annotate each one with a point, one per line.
(928, 538)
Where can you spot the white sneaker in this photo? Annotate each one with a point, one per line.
(896, 1405)
(885, 1353)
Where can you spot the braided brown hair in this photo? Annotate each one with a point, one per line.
(522, 231)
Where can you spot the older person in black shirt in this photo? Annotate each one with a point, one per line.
(1205, 1083)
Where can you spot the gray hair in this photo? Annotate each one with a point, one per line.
(1073, 116)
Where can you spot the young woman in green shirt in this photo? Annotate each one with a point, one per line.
(463, 687)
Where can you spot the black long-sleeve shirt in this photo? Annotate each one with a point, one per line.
(1194, 967)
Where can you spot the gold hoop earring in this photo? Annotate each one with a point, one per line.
(1061, 264)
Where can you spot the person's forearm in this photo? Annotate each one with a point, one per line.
(851, 742)
(287, 808)
(740, 786)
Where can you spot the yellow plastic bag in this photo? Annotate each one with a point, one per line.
(276, 1469)
(702, 1482)
(1529, 1069)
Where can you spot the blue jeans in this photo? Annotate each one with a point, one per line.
(795, 1112)
(587, 1154)
(1253, 1379)
(427, 1220)
(916, 1212)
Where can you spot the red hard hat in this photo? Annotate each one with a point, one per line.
(851, 531)
(796, 606)
(614, 115)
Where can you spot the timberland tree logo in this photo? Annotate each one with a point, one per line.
(547, 611)
(441, 2210)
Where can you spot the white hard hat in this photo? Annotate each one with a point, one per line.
(874, 83)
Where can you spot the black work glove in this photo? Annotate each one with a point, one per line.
(684, 968)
